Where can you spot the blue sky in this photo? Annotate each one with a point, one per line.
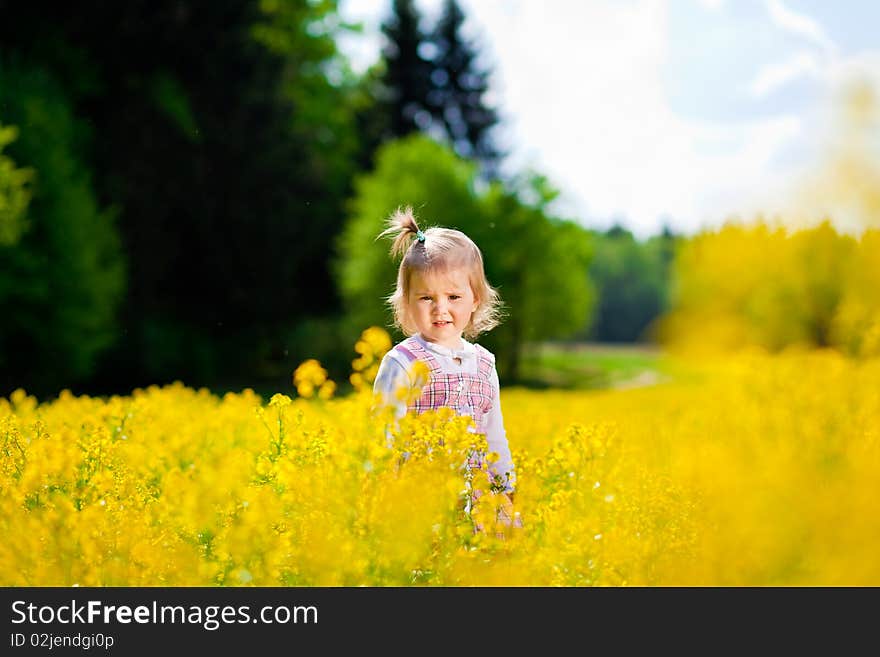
(685, 112)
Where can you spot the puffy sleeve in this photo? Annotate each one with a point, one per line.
(496, 437)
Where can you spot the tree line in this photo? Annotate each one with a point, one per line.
(191, 190)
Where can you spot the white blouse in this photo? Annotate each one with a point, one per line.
(394, 374)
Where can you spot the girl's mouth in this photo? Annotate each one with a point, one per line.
(441, 323)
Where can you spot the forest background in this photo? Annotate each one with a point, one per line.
(191, 192)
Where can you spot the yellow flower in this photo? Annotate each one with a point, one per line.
(176, 487)
(309, 376)
(373, 344)
(327, 389)
(378, 340)
(279, 401)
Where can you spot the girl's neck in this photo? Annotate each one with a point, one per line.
(457, 347)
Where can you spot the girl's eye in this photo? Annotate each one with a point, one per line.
(454, 297)
(424, 298)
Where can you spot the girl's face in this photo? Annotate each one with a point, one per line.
(440, 305)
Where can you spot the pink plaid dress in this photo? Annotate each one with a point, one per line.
(468, 394)
(467, 390)
(463, 380)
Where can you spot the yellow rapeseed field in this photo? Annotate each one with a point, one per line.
(754, 470)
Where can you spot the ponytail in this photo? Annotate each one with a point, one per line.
(402, 224)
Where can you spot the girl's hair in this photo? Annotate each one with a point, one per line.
(438, 249)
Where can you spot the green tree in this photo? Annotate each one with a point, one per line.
(15, 192)
(407, 75)
(61, 283)
(458, 95)
(538, 263)
(371, 114)
(224, 135)
(541, 264)
(632, 280)
(412, 171)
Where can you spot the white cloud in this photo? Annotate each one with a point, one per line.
(800, 64)
(585, 90)
(800, 24)
(776, 75)
(842, 179)
(862, 66)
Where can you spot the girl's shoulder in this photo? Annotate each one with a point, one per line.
(397, 354)
(406, 350)
(482, 352)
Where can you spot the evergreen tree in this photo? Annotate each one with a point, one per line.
(63, 279)
(407, 79)
(632, 279)
(459, 87)
(222, 137)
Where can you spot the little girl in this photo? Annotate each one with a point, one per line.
(442, 294)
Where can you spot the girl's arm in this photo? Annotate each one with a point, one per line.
(389, 379)
(496, 437)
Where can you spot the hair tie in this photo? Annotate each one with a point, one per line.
(420, 236)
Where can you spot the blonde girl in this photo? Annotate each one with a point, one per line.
(442, 297)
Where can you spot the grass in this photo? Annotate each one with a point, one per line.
(586, 365)
(573, 366)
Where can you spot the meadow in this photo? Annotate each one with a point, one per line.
(750, 469)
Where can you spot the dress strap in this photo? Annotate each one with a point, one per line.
(485, 360)
(413, 351)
